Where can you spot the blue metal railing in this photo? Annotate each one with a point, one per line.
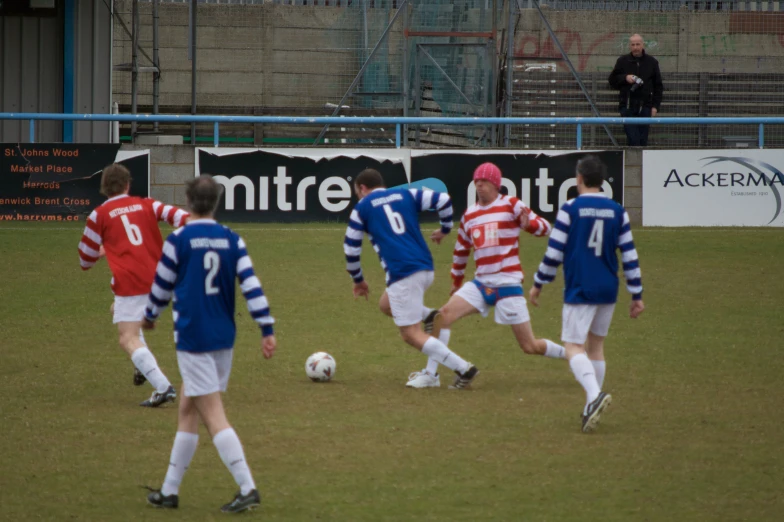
(398, 122)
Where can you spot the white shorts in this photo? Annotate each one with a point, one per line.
(407, 297)
(578, 320)
(510, 310)
(129, 309)
(206, 372)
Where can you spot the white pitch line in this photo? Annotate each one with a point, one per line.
(336, 229)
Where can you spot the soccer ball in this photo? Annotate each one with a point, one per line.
(320, 367)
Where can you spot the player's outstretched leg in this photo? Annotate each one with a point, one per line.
(533, 346)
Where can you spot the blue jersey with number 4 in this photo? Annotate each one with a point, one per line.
(587, 232)
(390, 217)
(198, 267)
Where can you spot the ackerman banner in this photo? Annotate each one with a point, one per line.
(713, 188)
(62, 181)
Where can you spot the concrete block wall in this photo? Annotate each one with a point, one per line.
(172, 165)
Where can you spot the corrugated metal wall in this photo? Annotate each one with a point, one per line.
(31, 71)
(31, 74)
(93, 68)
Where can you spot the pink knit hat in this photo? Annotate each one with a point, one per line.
(488, 172)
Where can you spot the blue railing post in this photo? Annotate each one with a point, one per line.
(397, 135)
(32, 131)
(762, 136)
(216, 135)
(579, 136)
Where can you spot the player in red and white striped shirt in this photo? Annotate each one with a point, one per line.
(125, 229)
(491, 227)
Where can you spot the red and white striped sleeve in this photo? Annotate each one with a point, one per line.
(90, 243)
(460, 254)
(169, 213)
(537, 225)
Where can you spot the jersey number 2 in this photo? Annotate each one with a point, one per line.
(597, 237)
(133, 232)
(211, 265)
(395, 220)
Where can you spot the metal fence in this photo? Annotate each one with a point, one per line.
(465, 58)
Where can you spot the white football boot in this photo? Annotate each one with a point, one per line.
(423, 379)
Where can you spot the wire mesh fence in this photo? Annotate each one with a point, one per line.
(715, 60)
(462, 58)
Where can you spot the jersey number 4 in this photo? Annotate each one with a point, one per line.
(211, 265)
(395, 220)
(596, 238)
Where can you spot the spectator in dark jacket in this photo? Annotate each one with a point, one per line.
(638, 78)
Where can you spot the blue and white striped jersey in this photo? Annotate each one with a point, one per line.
(199, 265)
(390, 217)
(587, 232)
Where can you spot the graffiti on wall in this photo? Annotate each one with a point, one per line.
(529, 46)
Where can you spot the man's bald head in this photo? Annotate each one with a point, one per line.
(636, 45)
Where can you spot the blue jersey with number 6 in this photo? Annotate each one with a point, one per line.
(587, 232)
(198, 267)
(390, 217)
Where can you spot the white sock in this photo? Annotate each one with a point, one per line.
(181, 455)
(583, 372)
(599, 367)
(230, 451)
(425, 312)
(432, 364)
(438, 351)
(145, 362)
(556, 351)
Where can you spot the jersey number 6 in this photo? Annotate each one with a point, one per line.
(132, 231)
(395, 220)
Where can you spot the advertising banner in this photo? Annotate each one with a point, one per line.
(712, 188)
(62, 181)
(294, 185)
(274, 185)
(544, 180)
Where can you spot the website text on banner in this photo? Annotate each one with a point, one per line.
(713, 188)
(61, 181)
(287, 185)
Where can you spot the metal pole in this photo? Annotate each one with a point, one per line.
(216, 135)
(194, 5)
(509, 72)
(762, 135)
(417, 91)
(32, 131)
(134, 62)
(362, 69)
(156, 75)
(579, 136)
(397, 135)
(406, 89)
(494, 68)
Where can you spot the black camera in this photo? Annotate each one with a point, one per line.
(637, 83)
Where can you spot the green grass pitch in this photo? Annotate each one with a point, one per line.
(694, 432)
